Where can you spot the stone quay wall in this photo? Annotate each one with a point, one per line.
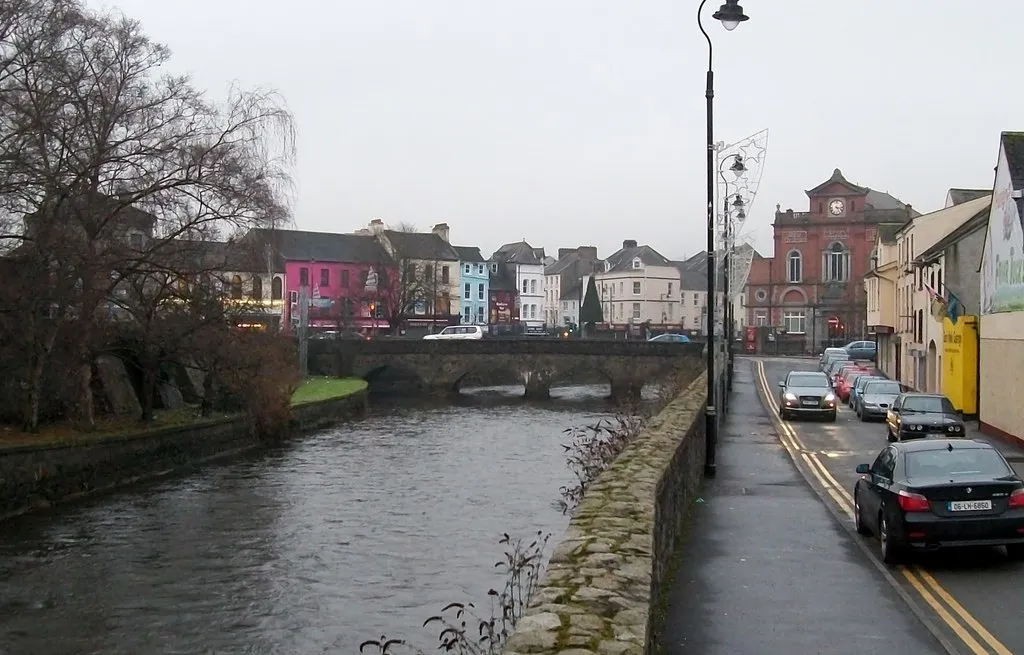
(38, 476)
(603, 585)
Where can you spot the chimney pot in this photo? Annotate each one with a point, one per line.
(628, 243)
(441, 230)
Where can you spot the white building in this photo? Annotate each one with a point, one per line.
(639, 286)
(525, 264)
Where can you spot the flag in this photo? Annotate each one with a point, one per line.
(954, 308)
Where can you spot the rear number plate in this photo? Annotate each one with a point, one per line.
(970, 505)
(810, 403)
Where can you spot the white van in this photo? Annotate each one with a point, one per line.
(458, 332)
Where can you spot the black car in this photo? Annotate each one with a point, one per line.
(940, 493)
(920, 415)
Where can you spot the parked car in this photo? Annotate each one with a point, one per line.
(940, 493)
(861, 350)
(858, 386)
(838, 367)
(919, 415)
(828, 351)
(846, 379)
(670, 338)
(876, 398)
(831, 358)
(806, 393)
(458, 332)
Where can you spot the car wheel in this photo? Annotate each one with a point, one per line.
(832, 417)
(888, 549)
(1015, 551)
(858, 519)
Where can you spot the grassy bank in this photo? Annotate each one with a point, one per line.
(313, 390)
(316, 389)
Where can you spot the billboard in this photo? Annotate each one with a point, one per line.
(960, 363)
(1002, 271)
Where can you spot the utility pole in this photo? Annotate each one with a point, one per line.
(303, 331)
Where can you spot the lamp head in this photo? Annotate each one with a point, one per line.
(731, 14)
(738, 167)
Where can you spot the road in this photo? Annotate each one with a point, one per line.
(766, 568)
(976, 596)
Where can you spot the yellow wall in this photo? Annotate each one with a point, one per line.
(960, 363)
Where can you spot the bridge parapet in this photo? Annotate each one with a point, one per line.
(443, 365)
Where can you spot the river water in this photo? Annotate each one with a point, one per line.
(311, 547)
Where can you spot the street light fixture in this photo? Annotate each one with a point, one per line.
(738, 168)
(731, 15)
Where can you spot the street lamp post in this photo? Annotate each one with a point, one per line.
(731, 15)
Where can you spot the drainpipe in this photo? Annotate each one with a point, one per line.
(977, 370)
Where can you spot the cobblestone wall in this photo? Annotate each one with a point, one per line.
(605, 577)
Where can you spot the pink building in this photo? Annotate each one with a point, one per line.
(349, 278)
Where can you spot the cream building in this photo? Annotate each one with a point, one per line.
(880, 291)
(1002, 296)
(638, 285)
(918, 333)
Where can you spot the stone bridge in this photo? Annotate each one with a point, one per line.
(444, 365)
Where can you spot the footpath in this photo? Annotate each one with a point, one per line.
(767, 570)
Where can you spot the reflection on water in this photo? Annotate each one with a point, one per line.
(311, 547)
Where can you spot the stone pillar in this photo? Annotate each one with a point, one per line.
(538, 384)
(626, 389)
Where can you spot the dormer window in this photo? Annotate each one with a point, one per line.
(637, 264)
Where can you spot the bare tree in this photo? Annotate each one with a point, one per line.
(112, 162)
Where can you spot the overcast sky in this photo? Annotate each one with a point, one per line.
(571, 122)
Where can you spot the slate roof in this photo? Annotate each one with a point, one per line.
(297, 245)
(421, 245)
(573, 291)
(469, 254)
(648, 255)
(877, 200)
(1013, 146)
(972, 224)
(960, 196)
(887, 232)
(519, 252)
(691, 279)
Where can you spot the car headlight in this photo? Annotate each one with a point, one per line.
(955, 428)
(829, 397)
(790, 396)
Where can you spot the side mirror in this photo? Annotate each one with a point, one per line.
(782, 384)
(864, 469)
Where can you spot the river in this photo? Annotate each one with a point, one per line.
(310, 547)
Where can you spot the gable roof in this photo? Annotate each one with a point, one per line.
(297, 245)
(519, 252)
(573, 291)
(646, 254)
(972, 224)
(887, 232)
(421, 245)
(1013, 146)
(502, 281)
(960, 196)
(469, 254)
(878, 200)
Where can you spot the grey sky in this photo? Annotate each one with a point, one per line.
(574, 122)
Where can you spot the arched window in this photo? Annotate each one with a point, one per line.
(276, 290)
(236, 287)
(257, 287)
(795, 266)
(837, 263)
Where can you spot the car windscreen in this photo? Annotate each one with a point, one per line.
(864, 380)
(808, 380)
(957, 463)
(928, 404)
(882, 387)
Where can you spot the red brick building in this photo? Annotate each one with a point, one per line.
(811, 289)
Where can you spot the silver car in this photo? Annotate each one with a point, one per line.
(806, 393)
(876, 399)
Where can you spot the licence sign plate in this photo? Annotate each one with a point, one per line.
(810, 403)
(970, 505)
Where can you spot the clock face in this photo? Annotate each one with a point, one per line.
(836, 207)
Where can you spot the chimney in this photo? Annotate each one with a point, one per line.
(563, 252)
(376, 226)
(628, 243)
(587, 252)
(441, 230)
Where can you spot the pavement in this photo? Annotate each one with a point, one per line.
(974, 597)
(768, 568)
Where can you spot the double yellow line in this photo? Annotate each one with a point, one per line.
(924, 584)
